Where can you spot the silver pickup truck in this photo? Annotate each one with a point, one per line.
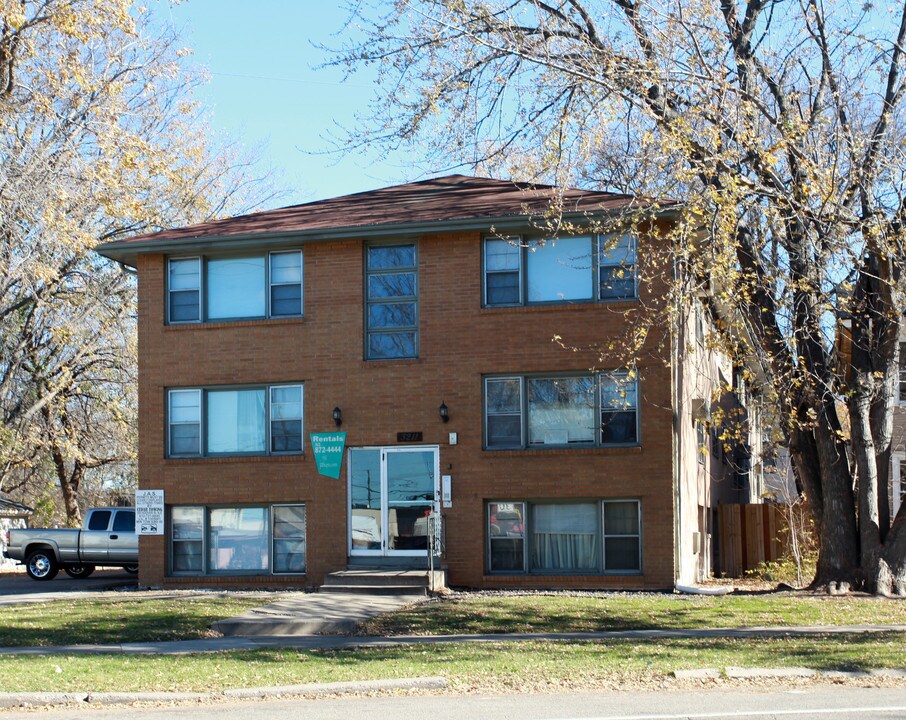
(107, 537)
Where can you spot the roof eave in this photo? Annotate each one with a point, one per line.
(126, 252)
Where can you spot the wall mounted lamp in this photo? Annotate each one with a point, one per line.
(444, 412)
(337, 416)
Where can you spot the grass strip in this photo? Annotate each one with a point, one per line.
(567, 613)
(113, 621)
(477, 665)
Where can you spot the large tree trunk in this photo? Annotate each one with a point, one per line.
(838, 552)
(865, 458)
(894, 556)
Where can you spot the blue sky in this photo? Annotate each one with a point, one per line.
(264, 88)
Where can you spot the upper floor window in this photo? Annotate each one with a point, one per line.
(568, 269)
(233, 288)
(564, 411)
(234, 421)
(391, 300)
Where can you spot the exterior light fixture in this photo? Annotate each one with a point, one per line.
(337, 416)
(444, 412)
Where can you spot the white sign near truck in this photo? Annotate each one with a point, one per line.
(149, 512)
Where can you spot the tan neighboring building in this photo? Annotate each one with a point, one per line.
(898, 445)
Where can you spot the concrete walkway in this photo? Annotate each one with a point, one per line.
(313, 613)
(323, 642)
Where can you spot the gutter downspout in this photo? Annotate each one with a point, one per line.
(675, 401)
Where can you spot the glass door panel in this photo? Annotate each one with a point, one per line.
(411, 483)
(365, 516)
(392, 491)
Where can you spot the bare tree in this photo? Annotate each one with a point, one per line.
(99, 138)
(780, 127)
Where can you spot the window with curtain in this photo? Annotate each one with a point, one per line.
(583, 268)
(564, 537)
(238, 539)
(235, 421)
(588, 537)
(243, 540)
(235, 288)
(561, 411)
(220, 289)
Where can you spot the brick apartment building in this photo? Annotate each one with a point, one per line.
(412, 320)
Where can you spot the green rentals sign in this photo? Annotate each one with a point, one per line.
(328, 450)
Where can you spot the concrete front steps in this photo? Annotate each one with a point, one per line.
(347, 598)
(384, 581)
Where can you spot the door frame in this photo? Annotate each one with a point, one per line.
(385, 450)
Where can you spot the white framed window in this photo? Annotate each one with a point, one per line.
(286, 418)
(391, 301)
(502, 272)
(237, 540)
(184, 290)
(220, 289)
(901, 395)
(701, 441)
(289, 549)
(579, 268)
(184, 417)
(187, 539)
(506, 537)
(254, 420)
(582, 537)
(568, 410)
(285, 284)
(503, 412)
(617, 277)
(897, 484)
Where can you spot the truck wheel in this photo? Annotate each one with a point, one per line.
(79, 571)
(131, 569)
(41, 565)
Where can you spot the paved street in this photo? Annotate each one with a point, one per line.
(840, 703)
(17, 587)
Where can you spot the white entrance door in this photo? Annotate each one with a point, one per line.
(392, 491)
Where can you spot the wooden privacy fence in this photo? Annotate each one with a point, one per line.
(749, 535)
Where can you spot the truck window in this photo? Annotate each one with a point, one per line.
(124, 521)
(99, 520)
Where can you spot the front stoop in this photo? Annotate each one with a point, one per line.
(385, 581)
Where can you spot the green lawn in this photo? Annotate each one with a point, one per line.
(113, 621)
(488, 666)
(467, 613)
(134, 619)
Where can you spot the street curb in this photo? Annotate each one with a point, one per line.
(422, 683)
(701, 674)
(744, 673)
(741, 673)
(8, 700)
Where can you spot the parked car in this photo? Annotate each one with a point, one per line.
(107, 537)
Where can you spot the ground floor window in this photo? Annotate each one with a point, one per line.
(582, 537)
(248, 539)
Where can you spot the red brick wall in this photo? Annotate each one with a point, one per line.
(459, 342)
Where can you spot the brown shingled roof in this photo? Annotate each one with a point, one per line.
(454, 198)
